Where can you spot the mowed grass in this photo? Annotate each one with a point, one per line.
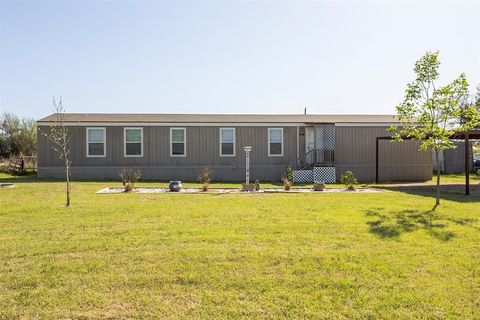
(457, 178)
(348, 255)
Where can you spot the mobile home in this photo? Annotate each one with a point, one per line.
(178, 146)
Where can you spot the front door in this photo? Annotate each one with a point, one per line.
(309, 143)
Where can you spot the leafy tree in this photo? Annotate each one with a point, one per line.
(4, 147)
(476, 99)
(28, 137)
(468, 102)
(17, 136)
(10, 127)
(432, 114)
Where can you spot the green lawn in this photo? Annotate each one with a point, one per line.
(348, 255)
(457, 178)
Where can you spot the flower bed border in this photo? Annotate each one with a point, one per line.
(161, 190)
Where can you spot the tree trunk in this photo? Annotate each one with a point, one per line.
(67, 173)
(68, 191)
(437, 202)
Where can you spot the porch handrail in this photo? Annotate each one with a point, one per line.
(317, 156)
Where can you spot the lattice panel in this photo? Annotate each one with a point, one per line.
(324, 136)
(302, 176)
(326, 174)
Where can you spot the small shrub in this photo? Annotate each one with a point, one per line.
(289, 174)
(287, 179)
(205, 177)
(287, 184)
(349, 180)
(129, 178)
(257, 185)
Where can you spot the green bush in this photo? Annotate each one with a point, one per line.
(289, 174)
(349, 180)
(129, 178)
(287, 178)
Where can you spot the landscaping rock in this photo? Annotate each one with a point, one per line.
(319, 186)
(248, 187)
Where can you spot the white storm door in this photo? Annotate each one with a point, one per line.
(309, 143)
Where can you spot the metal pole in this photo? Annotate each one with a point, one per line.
(247, 168)
(247, 164)
(376, 161)
(467, 164)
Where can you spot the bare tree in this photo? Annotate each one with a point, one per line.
(59, 136)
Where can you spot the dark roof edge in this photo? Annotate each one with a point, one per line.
(203, 118)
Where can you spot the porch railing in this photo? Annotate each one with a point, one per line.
(317, 157)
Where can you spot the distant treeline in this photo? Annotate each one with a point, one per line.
(17, 136)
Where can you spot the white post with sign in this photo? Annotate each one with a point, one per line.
(247, 164)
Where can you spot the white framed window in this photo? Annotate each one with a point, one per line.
(133, 142)
(178, 142)
(96, 142)
(275, 142)
(227, 142)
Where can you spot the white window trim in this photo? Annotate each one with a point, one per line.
(268, 143)
(234, 142)
(125, 143)
(104, 142)
(184, 143)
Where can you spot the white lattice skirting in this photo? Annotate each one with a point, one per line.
(326, 174)
(302, 176)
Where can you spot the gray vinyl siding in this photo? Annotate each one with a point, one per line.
(202, 149)
(454, 159)
(355, 151)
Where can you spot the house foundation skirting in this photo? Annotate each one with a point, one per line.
(302, 176)
(326, 174)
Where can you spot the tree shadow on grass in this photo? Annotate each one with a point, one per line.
(465, 222)
(450, 192)
(395, 224)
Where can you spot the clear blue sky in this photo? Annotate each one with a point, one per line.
(166, 57)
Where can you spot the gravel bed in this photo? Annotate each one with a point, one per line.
(151, 190)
